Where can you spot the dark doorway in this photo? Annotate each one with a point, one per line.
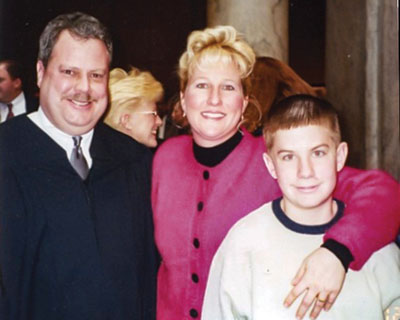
(307, 39)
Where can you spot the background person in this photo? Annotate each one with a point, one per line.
(251, 270)
(271, 81)
(13, 100)
(202, 184)
(133, 105)
(76, 238)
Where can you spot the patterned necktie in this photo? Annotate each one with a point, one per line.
(77, 159)
(10, 113)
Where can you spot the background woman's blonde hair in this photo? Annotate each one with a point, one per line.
(128, 90)
(219, 44)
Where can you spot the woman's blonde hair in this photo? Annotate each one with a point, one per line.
(128, 90)
(219, 44)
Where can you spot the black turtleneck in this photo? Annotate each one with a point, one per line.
(210, 157)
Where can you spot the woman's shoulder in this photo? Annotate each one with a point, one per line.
(182, 143)
(253, 143)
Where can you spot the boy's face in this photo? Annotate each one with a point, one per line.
(305, 160)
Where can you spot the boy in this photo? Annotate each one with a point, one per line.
(251, 270)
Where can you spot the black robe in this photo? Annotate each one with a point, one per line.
(73, 249)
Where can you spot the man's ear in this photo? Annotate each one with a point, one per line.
(341, 155)
(40, 69)
(270, 165)
(17, 83)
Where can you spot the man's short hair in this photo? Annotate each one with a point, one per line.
(79, 25)
(297, 111)
(14, 68)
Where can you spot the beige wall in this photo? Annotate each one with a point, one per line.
(362, 79)
(263, 22)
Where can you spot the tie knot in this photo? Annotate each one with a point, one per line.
(9, 105)
(77, 158)
(77, 141)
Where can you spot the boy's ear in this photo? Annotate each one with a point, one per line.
(270, 165)
(341, 155)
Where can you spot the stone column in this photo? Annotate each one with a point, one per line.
(362, 79)
(388, 88)
(265, 23)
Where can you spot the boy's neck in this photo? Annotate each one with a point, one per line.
(318, 215)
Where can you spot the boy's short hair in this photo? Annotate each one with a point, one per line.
(300, 110)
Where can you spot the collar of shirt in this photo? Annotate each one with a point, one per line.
(19, 106)
(61, 138)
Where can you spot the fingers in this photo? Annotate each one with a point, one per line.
(296, 291)
(320, 273)
(320, 301)
(319, 304)
(299, 275)
(330, 300)
(306, 303)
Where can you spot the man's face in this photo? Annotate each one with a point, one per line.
(73, 86)
(9, 88)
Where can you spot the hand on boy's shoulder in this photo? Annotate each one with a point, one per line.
(320, 278)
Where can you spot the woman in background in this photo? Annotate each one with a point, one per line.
(204, 182)
(271, 81)
(133, 105)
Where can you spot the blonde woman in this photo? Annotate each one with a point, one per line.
(133, 104)
(205, 182)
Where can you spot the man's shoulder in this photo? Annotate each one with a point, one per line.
(31, 103)
(19, 138)
(15, 128)
(117, 144)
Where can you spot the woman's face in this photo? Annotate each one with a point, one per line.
(214, 102)
(142, 123)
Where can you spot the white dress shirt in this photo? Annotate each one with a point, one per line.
(19, 107)
(61, 138)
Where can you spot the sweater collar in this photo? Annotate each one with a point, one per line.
(210, 157)
(301, 228)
